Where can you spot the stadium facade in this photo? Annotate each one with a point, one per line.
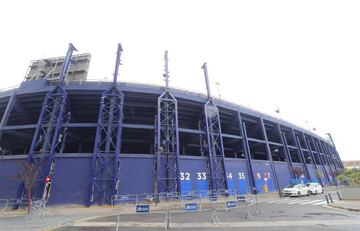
(91, 140)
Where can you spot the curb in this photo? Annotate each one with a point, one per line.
(344, 208)
(75, 221)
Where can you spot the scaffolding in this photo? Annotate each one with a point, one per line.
(105, 168)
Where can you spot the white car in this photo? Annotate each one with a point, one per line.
(296, 190)
(315, 188)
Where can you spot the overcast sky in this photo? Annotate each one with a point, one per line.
(300, 56)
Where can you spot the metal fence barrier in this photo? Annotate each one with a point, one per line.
(12, 202)
(169, 196)
(4, 204)
(212, 202)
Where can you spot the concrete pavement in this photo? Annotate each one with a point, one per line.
(346, 205)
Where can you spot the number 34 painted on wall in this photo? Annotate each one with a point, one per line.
(241, 175)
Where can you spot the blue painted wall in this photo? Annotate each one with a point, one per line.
(237, 175)
(323, 178)
(137, 175)
(303, 178)
(262, 171)
(329, 173)
(193, 174)
(9, 168)
(71, 177)
(70, 182)
(312, 171)
(283, 173)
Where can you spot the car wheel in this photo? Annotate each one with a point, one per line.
(298, 194)
(308, 193)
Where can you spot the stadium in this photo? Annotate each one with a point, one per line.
(93, 140)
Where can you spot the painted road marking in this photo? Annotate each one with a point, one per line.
(320, 203)
(291, 201)
(276, 201)
(299, 202)
(311, 202)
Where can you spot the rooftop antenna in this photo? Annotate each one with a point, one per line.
(166, 69)
(117, 63)
(204, 67)
(218, 88)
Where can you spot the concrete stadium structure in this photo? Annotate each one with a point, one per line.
(99, 139)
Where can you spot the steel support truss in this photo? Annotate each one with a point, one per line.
(215, 149)
(167, 145)
(213, 144)
(105, 168)
(49, 136)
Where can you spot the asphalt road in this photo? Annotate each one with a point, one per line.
(275, 214)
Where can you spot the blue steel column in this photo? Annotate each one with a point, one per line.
(308, 147)
(48, 135)
(325, 159)
(336, 152)
(300, 152)
(247, 152)
(332, 154)
(329, 161)
(321, 160)
(105, 167)
(9, 107)
(286, 149)
(167, 140)
(216, 158)
(268, 150)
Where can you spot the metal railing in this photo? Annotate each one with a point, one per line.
(169, 196)
(212, 202)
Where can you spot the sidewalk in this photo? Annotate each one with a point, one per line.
(54, 216)
(350, 205)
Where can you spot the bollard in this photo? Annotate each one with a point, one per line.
(214, 217)
(338, 194)
(331, 200)
(167, 219)
(118, 222)
(327, 199)
(248, 214)
(256, 206)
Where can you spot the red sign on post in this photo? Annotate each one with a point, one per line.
(48, 179)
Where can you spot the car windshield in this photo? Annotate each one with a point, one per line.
(308, 185)
(291, 186)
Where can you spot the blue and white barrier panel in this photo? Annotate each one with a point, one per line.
(240, 199)
(231, 204)
(212, 198)
(143, 208)
(191, 207)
